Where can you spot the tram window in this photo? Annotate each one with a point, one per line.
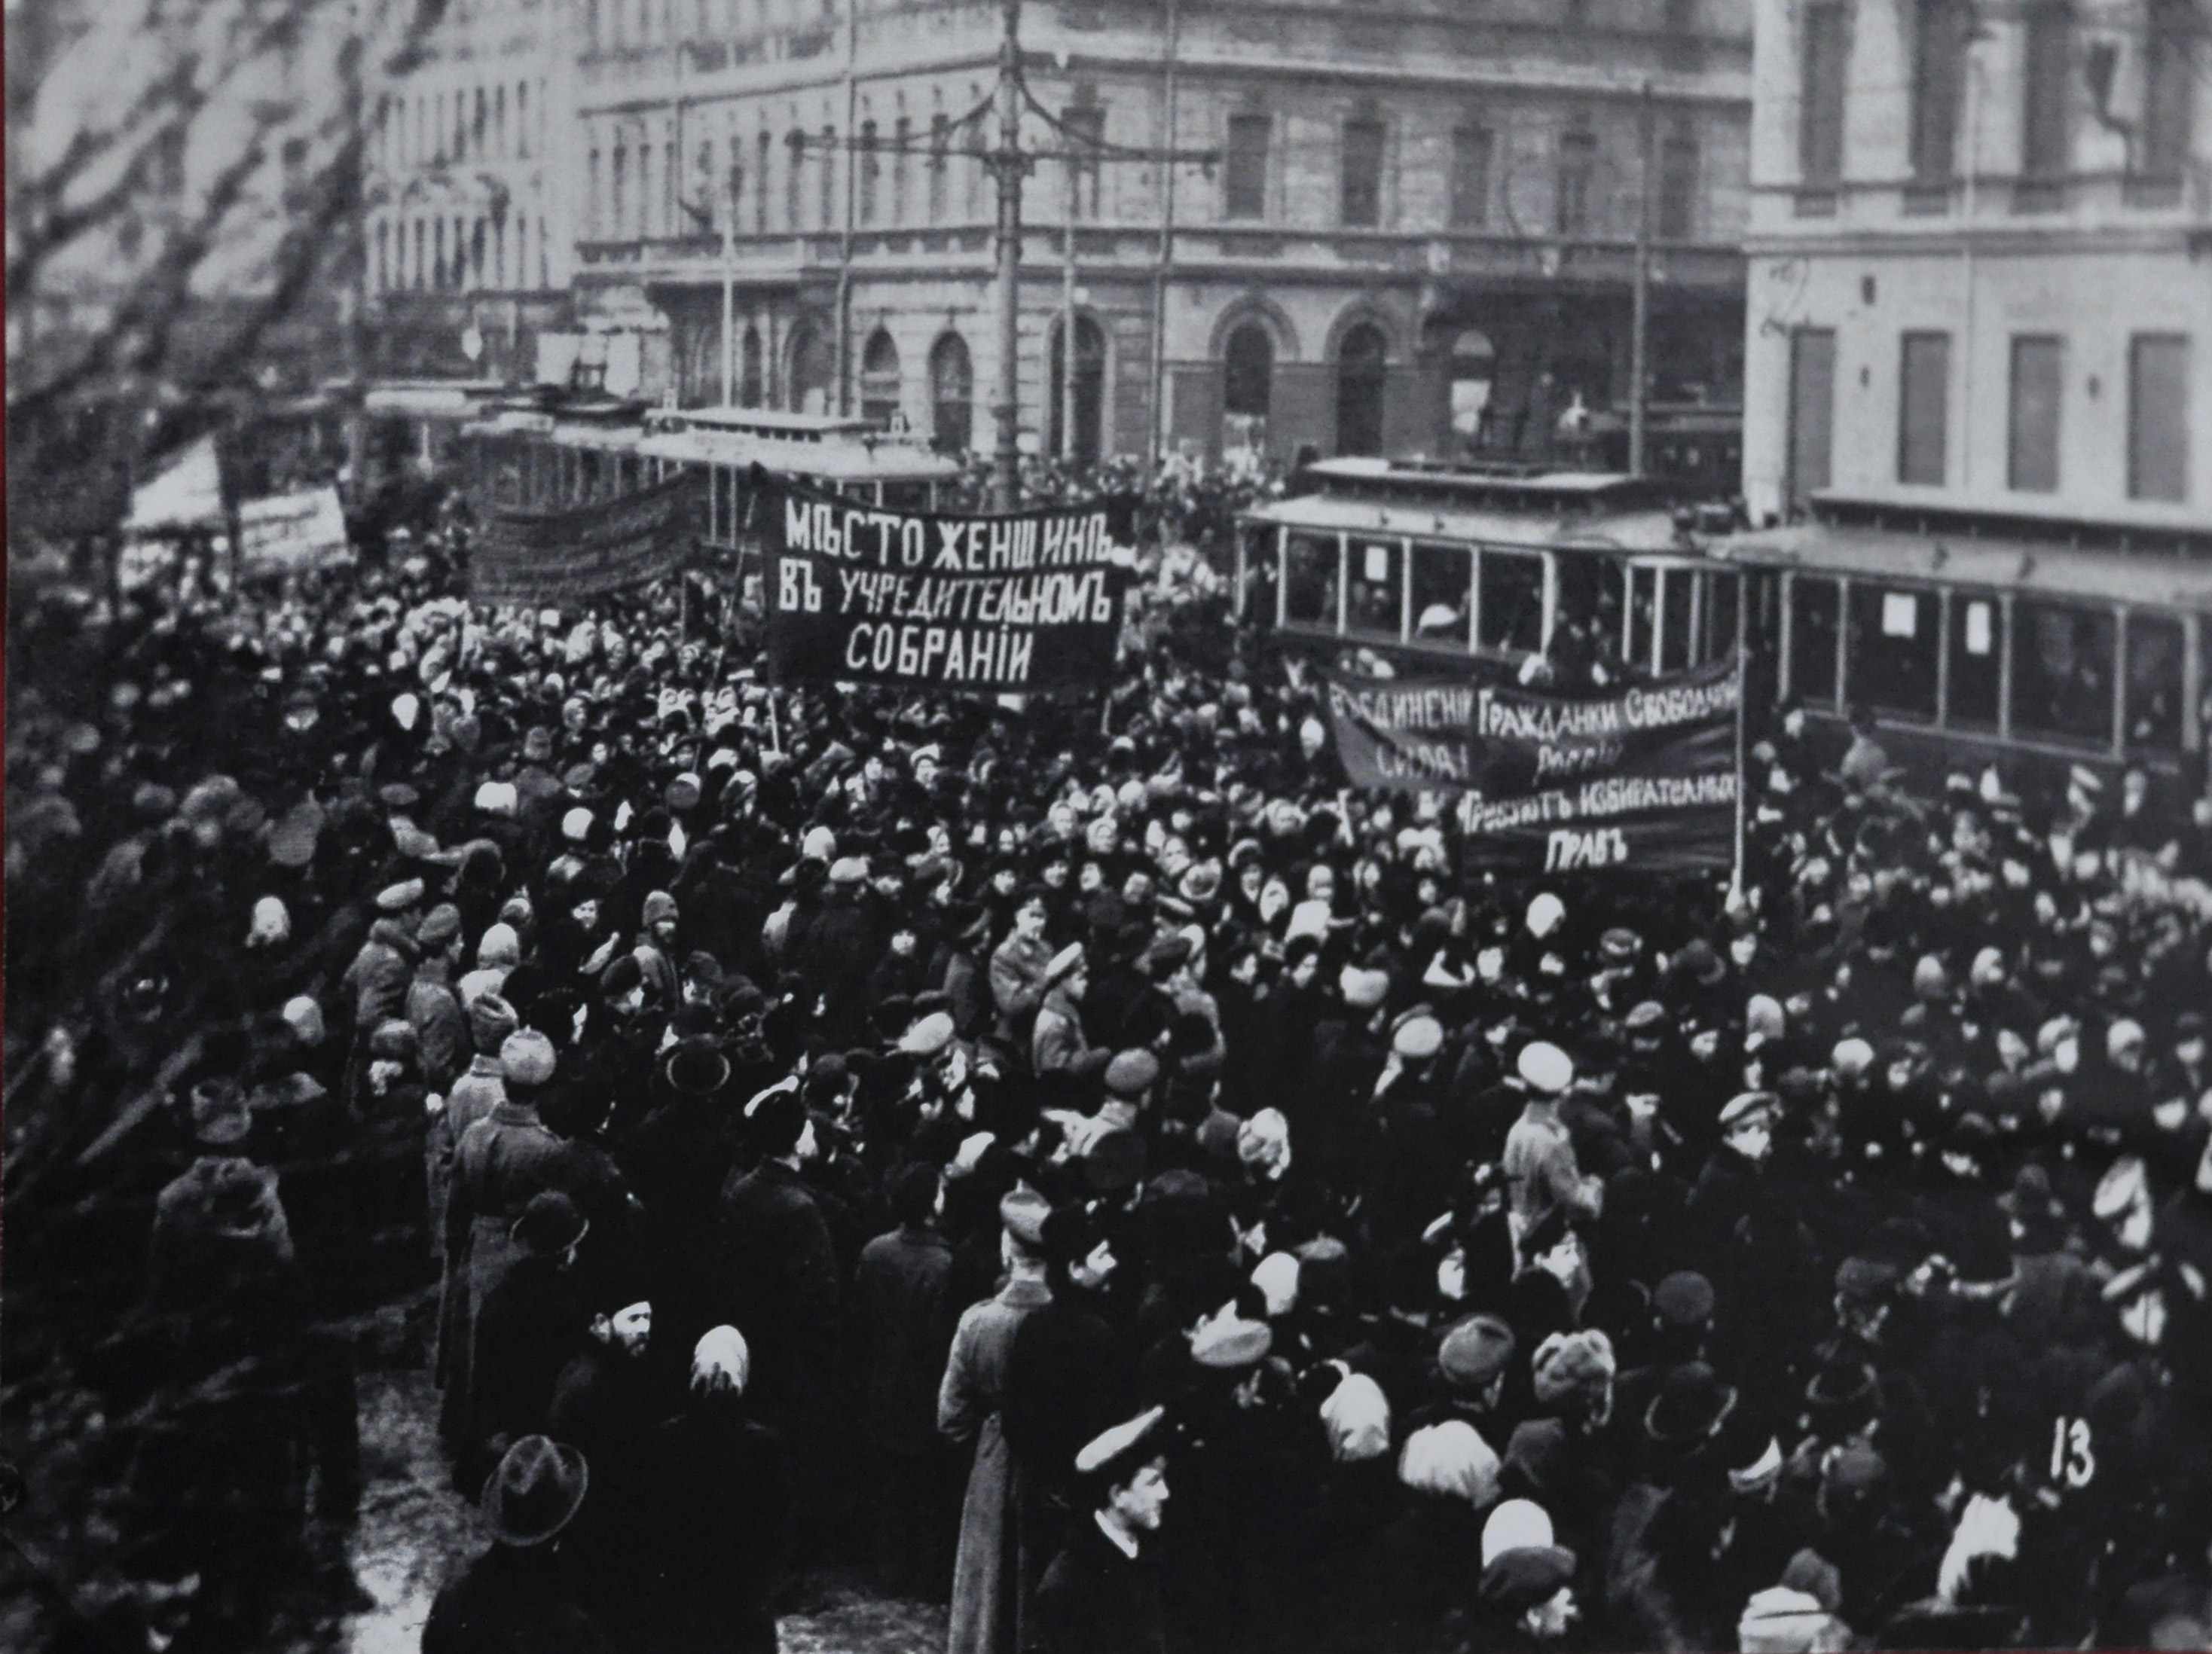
(2062, 672)
(1377, 586)
(1719, 615)
(1977, 660)
(1814, 607)
(1512, 607)
(1674, 641)
(1893, 650)
(906, 496)
(2154, 682)
(1443, 576)
(1310, 590)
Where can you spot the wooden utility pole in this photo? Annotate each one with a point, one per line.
(1009, 163)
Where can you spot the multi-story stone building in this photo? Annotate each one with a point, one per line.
(1398, 228)
(470, 236)
(1981, 258)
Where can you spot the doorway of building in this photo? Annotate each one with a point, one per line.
(1360, 360)
(1473, 366)
(810, 371)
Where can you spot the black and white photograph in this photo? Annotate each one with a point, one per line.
(1107, 827)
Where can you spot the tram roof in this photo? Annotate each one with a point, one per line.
(1489, 481)
(848, 459)
(768, 421)
(2030, 567)
(1636, 531)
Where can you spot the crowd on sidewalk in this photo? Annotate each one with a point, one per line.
(1130, 1186)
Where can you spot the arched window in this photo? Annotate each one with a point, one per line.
(1473, 370)
(1247, 380)
(1087, 393)
(879, 379)
(810, 369)
(749, 382)
(1360, 379)
(952, 393)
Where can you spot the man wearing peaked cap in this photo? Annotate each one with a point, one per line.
(1539, 1163)
(1057, 1040)
(1100, 1594)
(1417, 1035)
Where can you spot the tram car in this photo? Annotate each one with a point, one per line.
(1695, 449)
(1972, 637)
(536, 455)
(1431, 565)
(1969, 637)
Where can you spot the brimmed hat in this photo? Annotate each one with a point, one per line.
(1475, 1352)
(695, 1068)
(535, 1492)
(1545, 1068)
(1130, 1072)
(1230, 1341)
(1417, 1035)
(549, 1224)
(1691, 1405)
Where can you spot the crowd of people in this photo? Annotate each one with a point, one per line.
(1080, 1158)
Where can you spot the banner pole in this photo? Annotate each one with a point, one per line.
(775, 730)
(1742, 755)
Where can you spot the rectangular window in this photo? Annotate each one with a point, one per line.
(1310, 583)
(2044, 93)
(1511, 602)
(1923, 408)
(1577, 162)
(1443, 582)
(1977, 660)
(522, 118)
(1939, 63)
(941, 140)
(1378, 589)
(829, 178)
(1086, 131)
(871, 165)
(2031, 439)
(2158, 417)
(1470, 176)
(1812, 411)
(794, 181)
(1820, 106)
(2175, 58)
(1815, 612)
(1678, 188)
(1244, 170)
(2062, 672)
(2155, 655)
(618, 210)
(764, 150)
(1894, 645)
(902, 138)
(1363, 138)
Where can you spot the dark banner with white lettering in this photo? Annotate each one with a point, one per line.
(609, 545)
(1404, 735)
(1026, 604)
(1642, 779)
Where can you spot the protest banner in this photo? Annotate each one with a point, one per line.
(1029, 603)
(287, 532)
(1644, 778)
(1404, 735)
(587, 551)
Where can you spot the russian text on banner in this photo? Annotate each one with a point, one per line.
(1404, 735)
(1642, 779)
(1029, 603)
(609, 545)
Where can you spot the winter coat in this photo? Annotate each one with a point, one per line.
(1095, 1599)
(442, 1035)
(778, 1284)
(513, 1599)
(374, 986)
(993, 1574)
(1057, 1043)
(902, 1328)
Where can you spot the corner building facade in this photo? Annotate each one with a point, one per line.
(1981, 259)
(1409, 230)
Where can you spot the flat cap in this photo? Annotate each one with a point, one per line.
(1475, 1352)
(1545, 1067)
(1417, 1035)
(398, 897)
(929, 1035)
(1745, 1106)
(1130, 1072)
